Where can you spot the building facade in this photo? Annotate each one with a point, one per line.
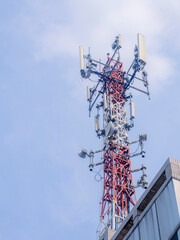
(156, 216)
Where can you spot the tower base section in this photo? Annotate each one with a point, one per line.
(107, 235)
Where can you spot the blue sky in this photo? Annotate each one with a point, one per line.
(47, 192)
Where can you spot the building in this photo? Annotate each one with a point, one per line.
(156, 216)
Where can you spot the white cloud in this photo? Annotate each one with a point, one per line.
(161, 71)
(55, 41)
(57, 28)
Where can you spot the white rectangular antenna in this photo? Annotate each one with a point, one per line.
(81, 54)
(88, 93)
(132, 110)
(141, 49)
(120, 40)
(105, 101)
(96, 123)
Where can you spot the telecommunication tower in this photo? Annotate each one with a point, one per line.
(109, 96)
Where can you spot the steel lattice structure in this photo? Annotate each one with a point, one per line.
(113, 85)
(117, 190)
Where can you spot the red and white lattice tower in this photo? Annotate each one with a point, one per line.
(118, 193)
(112, 91)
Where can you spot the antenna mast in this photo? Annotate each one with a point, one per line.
(110, 96)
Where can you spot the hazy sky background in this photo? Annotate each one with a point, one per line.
(47, 192)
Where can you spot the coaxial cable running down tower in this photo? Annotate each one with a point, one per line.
(110, 96)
